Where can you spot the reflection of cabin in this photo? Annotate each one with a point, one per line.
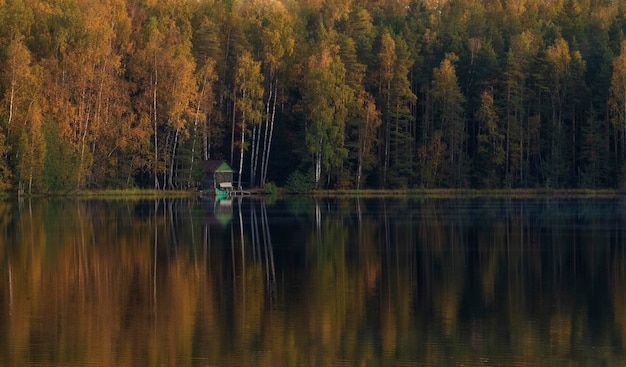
(217, 174)
(219, 213)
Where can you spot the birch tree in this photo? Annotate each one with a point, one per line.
(19, 77)
(326, 96)
(205, 99)
(249, 101)
(32, 151)
(24, 136)
(91, 86)
(277, 41)
(369, 123)
(165, 75)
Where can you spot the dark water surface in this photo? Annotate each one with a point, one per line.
(305, 282)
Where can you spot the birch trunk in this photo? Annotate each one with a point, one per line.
(11, 103)
(195, 131)
(243, 139)
(253, 154)
(232, 130)
(265, 134)
(174, 145)
(155, 122)
(266, 158)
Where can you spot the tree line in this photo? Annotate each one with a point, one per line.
(335, 93)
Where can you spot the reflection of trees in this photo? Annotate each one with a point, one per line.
(523, 281)
(358, 282)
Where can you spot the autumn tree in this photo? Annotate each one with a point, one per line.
(566, 69)
(617, 99)
(366, 141)
(31, 149)
(234, 42)
(362, 120)
(165, 71)
(24, 133)
(519, 136)
(201, 130)
(430, 159)
(5, 172)
(208, 50)
(93, 86)
(326, 96)
(20, 80)
(248, 101)
(617, 102)
(277, 42)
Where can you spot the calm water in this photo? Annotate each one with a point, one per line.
(464, 282)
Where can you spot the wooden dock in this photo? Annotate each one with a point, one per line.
(248, 192)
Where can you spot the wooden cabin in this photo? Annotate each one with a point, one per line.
(217, 174)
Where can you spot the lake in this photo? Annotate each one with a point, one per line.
(313, 282)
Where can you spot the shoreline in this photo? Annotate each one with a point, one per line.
(472, 193)
(341, 193)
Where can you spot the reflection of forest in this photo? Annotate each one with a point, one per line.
(316, 283)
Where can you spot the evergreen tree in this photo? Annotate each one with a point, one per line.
(402, 147)
(449, 100)
(491, 157)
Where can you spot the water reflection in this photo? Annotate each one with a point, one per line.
(313, 282)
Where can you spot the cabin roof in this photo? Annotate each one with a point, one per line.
(213, 166)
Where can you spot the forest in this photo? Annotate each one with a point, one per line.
(339, 94)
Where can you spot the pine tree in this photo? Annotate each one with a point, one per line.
(449, 100)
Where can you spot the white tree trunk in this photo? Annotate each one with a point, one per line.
(11, 102)
(256, 130)
(174, 145)
(243, 140)
(318, 167)
(266, 158)
(154, 116)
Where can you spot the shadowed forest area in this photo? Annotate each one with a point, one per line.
(314, 93)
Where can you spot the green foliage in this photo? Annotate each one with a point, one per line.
(5, 173)
(61, 162)
(327, 96)
(593, 160)
(299, 182)
(449, 101)
(271, 188)
(490, 157)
